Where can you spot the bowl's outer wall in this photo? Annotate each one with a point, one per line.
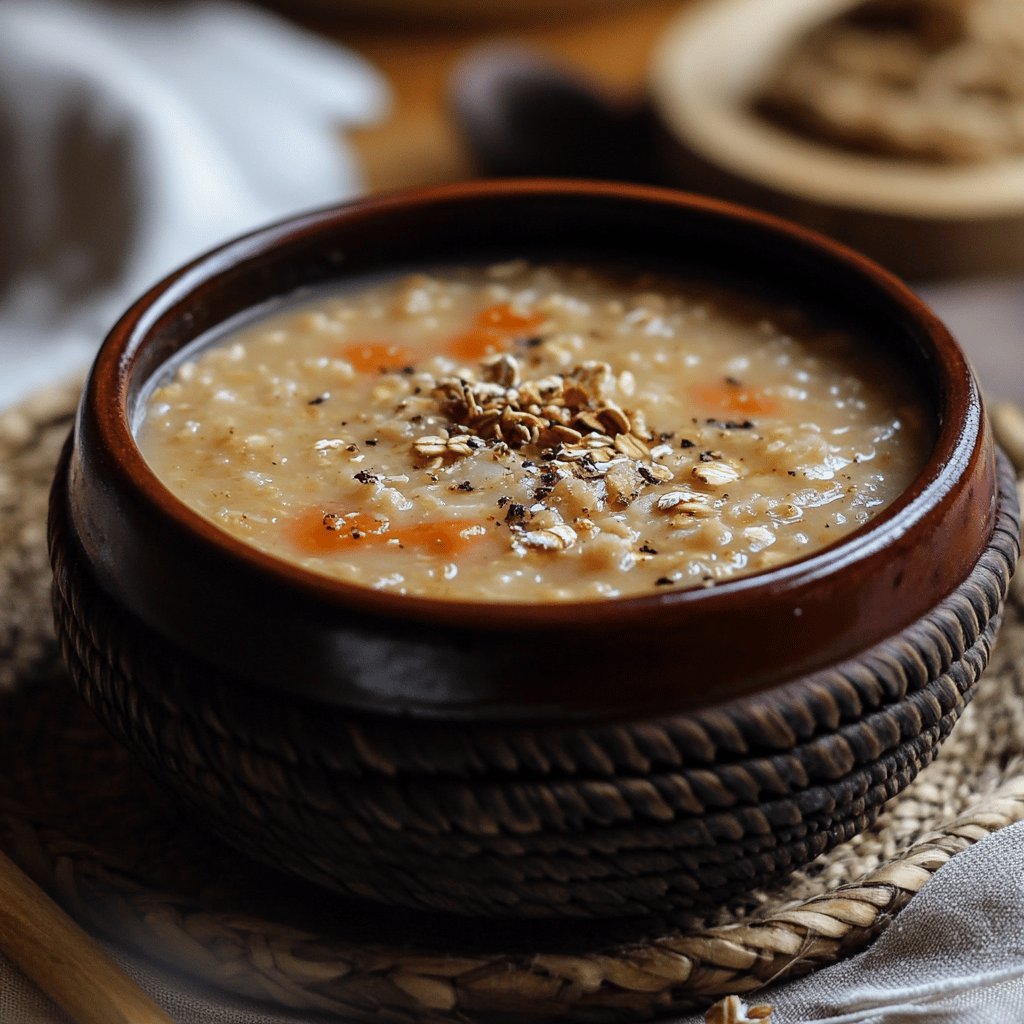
(559, 819)
(281, 626)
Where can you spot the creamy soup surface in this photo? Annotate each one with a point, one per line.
(537, 433)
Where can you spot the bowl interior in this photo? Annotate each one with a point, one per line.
(704, 240)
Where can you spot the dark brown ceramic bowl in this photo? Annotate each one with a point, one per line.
(649, 754)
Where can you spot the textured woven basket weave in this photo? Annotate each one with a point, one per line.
(622, 820)
(78, 817)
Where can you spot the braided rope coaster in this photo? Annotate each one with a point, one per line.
(85, 822)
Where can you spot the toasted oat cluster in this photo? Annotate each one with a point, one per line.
(544, 433)
(930, 80)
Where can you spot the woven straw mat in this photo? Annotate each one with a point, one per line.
(80, 818)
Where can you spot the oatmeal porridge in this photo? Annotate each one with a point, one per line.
(527, 432)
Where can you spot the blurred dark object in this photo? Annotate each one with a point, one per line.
(524, 114)
(937, 23)
(447, 13)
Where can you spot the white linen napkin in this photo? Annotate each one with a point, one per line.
(134, 137)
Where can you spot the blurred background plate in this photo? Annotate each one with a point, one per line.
(922, 219)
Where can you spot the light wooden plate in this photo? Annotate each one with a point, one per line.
(921, 220)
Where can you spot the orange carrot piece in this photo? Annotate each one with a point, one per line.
(493, 330)
(504, 318)
(377, 356)
(442, 537)
(318, 531)
(734, 398)
(477, 343)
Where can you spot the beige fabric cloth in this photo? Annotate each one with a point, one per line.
(955, 954)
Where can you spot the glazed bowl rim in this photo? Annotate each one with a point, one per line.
(107, 394)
